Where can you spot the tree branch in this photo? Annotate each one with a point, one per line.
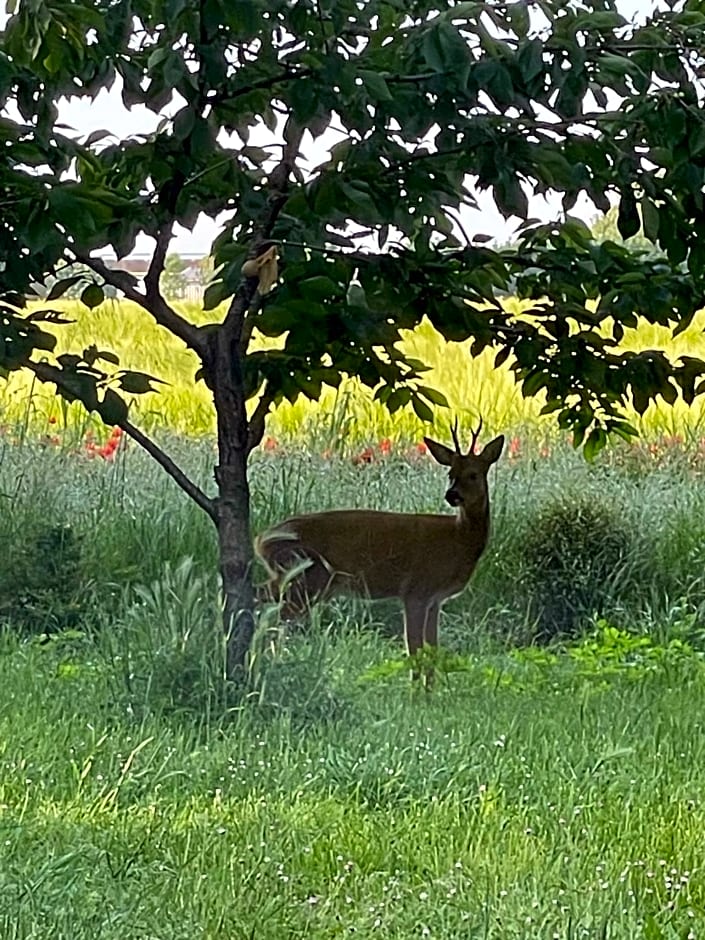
(250, 323)
(256, 423)
(50, 373)
(278, 185)
(156, 265)
(231, 94)
(175, 472)
(155, 305)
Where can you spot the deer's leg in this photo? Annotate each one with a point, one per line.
(414, 622)
(430, 634)
(430, 631)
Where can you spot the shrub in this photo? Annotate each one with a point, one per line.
(573, 561)
(43, 590)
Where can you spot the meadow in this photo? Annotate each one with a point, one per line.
(550, 787)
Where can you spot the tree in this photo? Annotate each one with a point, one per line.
(421, 105)
(173, 282)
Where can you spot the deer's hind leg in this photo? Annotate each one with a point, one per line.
(298, 576)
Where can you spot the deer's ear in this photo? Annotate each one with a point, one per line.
(439, 452)
(493, 450)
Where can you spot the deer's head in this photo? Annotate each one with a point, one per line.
(467, 472)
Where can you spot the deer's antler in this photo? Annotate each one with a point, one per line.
(454, 435)
(475, 436)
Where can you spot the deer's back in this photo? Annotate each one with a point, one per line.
(388, 554)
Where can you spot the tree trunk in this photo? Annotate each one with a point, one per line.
(233, 517)
(236, 556)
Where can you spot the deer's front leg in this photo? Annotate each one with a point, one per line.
(430, 630)
(416, 618)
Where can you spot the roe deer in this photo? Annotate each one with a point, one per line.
(421, 559)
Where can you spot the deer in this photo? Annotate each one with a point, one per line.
(421, 559)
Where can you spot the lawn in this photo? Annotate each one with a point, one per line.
(551, 786)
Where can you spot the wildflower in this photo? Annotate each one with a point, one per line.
(514, 447)
(107, 451)
(271, 444)
(421, 448)
(385, 447)
(52, 419)
(365, 456)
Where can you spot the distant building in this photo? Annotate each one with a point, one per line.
(191, 277)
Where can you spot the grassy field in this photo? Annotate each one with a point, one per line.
(543, 791)
(558, 802)
(341, 420)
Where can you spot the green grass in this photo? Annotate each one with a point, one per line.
(557, 804)
(538, 792)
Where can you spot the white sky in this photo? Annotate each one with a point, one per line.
(107, 111)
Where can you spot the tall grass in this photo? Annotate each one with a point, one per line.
(343, 418)
(119, 523)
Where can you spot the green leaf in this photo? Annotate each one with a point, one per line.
(59, 288)
(533, 383)
(319, 287)
(596, 440)
(137, 383)
(421, 408)
(494, 77)
(375, 85)
(215, 294)
(502, 356)
(69, 360)
(530, 59)
(510, 197)
(355, 296)
(445, 50)
(113, 409)
(92, 296)
(668, 393)
(628, 221)
(92, 354)
(649, 219)
(433, 395)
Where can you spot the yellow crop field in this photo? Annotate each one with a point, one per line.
(473, 387)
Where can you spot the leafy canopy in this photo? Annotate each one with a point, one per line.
(417, 107)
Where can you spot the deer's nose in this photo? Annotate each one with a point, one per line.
(453, 497)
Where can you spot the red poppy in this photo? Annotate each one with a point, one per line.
(365, 456)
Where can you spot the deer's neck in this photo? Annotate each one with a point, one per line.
(474, 524)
